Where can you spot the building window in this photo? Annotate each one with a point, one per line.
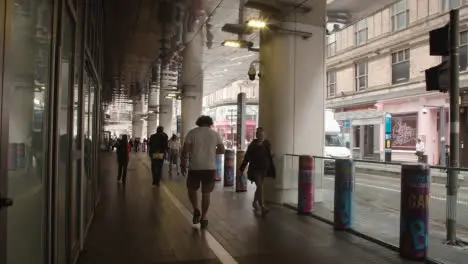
(463, 49)
(451, 4)
(331, 83)
(361, 32)
(400, 15)
(360, 73)
(331, 45)
(400, 66)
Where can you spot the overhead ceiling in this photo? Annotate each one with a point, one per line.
(133, 39)
(224, 65)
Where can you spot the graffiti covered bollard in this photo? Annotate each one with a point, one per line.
(414, 213)
(306, 195)
(229, 168)
(219, 167)
(241, 179)
(344, 194)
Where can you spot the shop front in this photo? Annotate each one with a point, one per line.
(361, 128)
(418, 117)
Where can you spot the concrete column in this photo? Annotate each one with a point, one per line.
(152, 124)
(137, 123)
(153, 103)
(165, 112)
(291, 102)
(192, 79)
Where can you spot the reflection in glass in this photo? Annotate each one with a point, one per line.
(89, 92)
(63, 120)
(27, 67)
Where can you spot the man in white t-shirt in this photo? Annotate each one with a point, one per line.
(201, 146)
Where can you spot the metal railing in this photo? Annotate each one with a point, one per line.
(377, 202)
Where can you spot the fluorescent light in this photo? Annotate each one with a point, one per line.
(232, 43)
(256, 23)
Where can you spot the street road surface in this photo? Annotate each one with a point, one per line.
(377, 213)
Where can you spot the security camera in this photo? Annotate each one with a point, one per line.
(424, 110)
(252, 73)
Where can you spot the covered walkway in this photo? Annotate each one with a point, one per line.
(141, 224)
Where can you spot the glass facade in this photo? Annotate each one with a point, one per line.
(25, 107)
(50, 90)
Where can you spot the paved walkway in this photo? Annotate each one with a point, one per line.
(142, 224)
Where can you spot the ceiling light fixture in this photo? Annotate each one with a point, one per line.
(237, 43)
(256, 23)
(231, 43)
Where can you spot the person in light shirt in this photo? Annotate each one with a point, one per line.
(419, 149)
(174, 148)
(201, 146)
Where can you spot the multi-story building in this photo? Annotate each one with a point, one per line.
(376, 66)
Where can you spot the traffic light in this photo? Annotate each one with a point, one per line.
(437, 78)
(439, 41)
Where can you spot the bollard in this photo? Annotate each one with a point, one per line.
(229, 169)
(241, 179)
(344, 194)
(219, 167)
(306, 188)
(414, 211)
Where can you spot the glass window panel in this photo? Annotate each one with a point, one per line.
(400, 72)
(65, 109)
(362, 82)
(361, 24)
(400, 6)
(463, 57)
(400, 21)
(362, 68)
(464, 38)
(401, 56)
(76, 161)
(454, 4)
(27, 81)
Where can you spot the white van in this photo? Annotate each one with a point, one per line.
(334, 145)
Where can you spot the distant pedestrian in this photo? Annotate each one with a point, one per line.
(174, 150)
(200, 148)
(123, 157)
(157, 150)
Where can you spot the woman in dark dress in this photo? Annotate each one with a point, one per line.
(259, 158)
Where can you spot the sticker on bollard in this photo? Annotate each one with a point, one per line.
(219, 167)
(306, 193)
(229, 168)
(241, 179)
(344, 194)
(414, 211)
